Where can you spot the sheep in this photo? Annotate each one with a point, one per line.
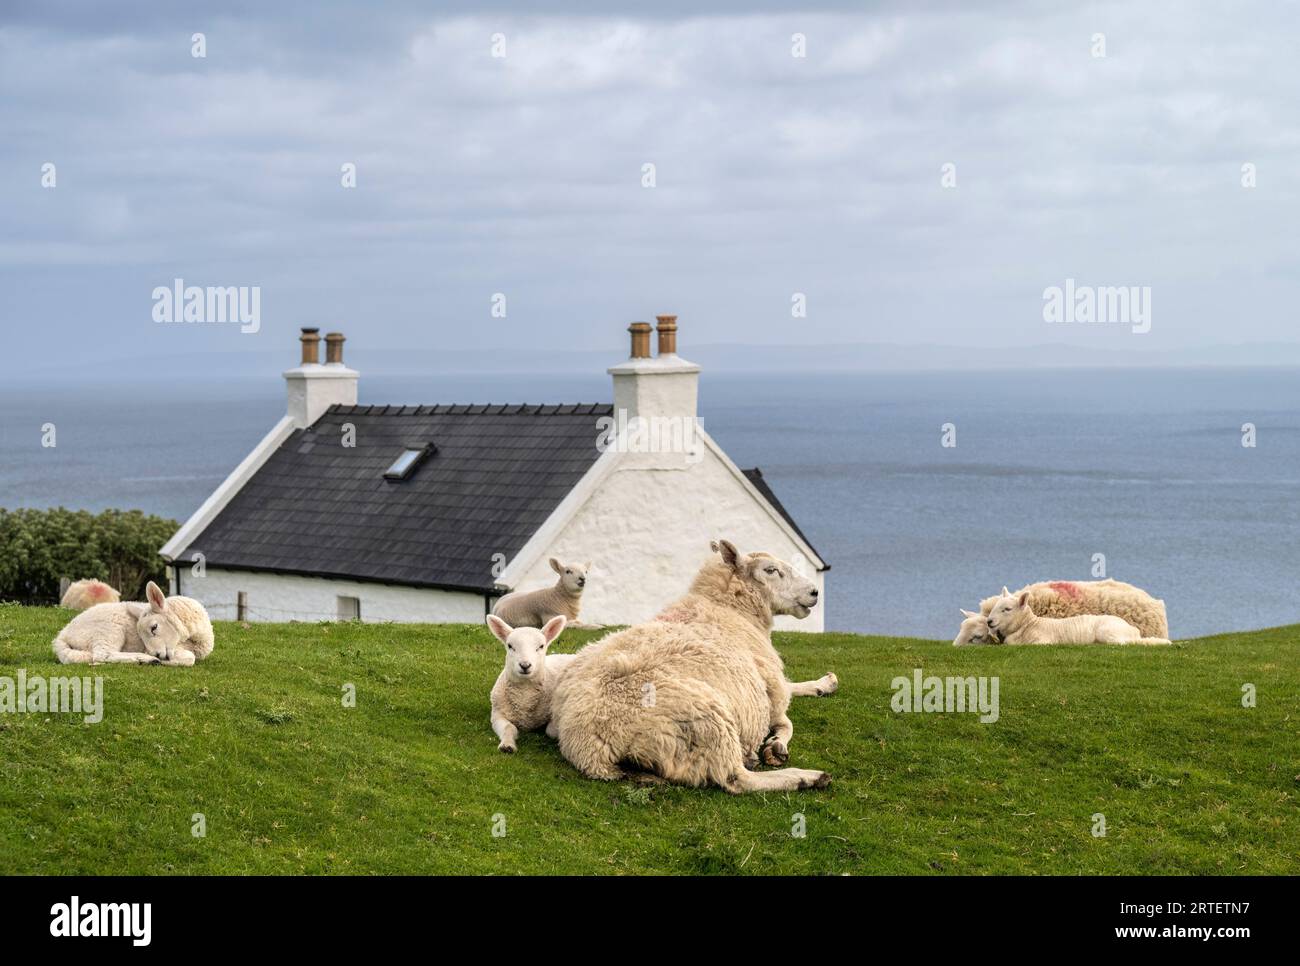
(692, 700)
(1014, 621)
(1069, 598)
(535, 607)
(974, 630)
(521, 697)
(824, 686)
(167, 630)
(88, 593)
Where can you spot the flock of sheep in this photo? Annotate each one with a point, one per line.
(1067, 612)
(697, 696)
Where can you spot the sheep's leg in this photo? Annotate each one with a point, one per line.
(103, 654)
(782, 780)
(70, 655)
(552, 731)
(507, 732)
(828, 683)
(776, 749)
(181, 658)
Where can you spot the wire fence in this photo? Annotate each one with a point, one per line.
(230, 612)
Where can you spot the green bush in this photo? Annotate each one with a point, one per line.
(120, 547)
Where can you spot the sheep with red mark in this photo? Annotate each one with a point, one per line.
(88, 593)
(1071, 598)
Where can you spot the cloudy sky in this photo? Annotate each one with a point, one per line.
(774, 174)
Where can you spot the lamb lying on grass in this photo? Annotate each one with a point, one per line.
(168, 630)
(536, 607)
(1068, 598)
(88, 593)
(521, 698)
(974, 630)
(1014, 621)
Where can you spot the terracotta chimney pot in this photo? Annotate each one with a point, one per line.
(334, 348)
(667, 328)
(310, 340)
(640, 339)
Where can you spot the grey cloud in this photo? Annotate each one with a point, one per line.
(521, 175)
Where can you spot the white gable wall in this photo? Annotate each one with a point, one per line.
(286, 597)
(647, 529)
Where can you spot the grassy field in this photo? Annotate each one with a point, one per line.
(288, 780)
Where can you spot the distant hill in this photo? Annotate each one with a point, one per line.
(719, 357)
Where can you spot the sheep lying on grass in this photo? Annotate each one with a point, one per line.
(536, 607)
(691, 701)
(88, 593)
(167, 630)
(974, 630)
(521, 698)
(1069, 598)
(1014, 621)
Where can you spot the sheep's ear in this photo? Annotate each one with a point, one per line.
(730, 555)
(157, 599)
(551, 629)
(556, 565)
(968, 613)
(499, 628)
(1024, 598)
(1005, 592)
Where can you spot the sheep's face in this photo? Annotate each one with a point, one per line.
(974, 630)
(1009, 613)
(525, 646)
(158, 629)
(788, 592)
(573, 577)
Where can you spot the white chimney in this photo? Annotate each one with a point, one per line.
(314, 388)
(666, 385)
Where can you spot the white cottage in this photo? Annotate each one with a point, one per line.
(428, 513)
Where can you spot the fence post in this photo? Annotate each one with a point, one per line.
(241, 606)
(64, 584)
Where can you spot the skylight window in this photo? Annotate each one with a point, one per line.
(405, 464)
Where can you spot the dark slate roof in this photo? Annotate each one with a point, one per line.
(498, 472)
(755, 476)
(316, 507)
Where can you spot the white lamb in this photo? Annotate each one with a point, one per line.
(1068, 598)
(1014, 621)
(974, 630)
(535, 607)
(168, 630)
(521, 698)
(88, 593)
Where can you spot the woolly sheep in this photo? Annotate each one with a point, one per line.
(974, 630)
(1069, 598)
(521, 697)
(88, 593)
(167, 630)
(692, 700)
(1014, 621)
(535, 607)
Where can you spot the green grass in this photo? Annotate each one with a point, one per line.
(256, 739)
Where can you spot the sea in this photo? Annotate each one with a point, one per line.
(925, 491)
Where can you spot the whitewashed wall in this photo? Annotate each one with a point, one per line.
(647, 531)
(285, 597)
